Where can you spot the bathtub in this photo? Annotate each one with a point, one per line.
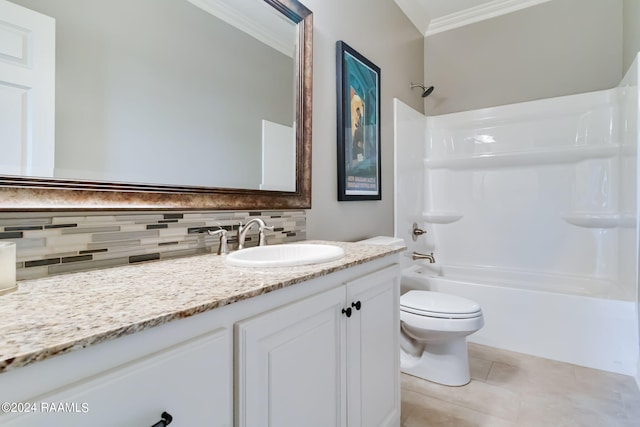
(582, 324)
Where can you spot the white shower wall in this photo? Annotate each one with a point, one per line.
(543, 187)
(536, 187)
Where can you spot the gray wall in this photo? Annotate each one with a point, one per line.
(557, 48)
(631, 31)
(383, 34)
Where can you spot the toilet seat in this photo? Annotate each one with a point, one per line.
(436, 304)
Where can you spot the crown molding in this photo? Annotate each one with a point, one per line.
(479, 13)
(251, 22)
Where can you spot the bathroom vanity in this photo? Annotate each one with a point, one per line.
(206, 344)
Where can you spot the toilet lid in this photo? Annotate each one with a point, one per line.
(436, 304)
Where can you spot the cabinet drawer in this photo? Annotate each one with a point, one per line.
(191, 380)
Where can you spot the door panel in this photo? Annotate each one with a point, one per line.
(27, 91)
(290, 364)
(373, 351)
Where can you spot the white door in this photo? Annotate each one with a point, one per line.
(373, 350)
(278, 157)
(290, 364)
(27, 91)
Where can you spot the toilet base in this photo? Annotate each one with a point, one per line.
(444, 362)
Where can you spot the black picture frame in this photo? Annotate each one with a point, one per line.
(358, 126)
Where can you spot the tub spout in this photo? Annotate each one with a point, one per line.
(430, 257)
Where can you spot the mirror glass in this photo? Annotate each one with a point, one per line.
(189, 93)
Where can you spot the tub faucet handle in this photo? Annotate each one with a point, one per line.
(417, 232)
(430, 257)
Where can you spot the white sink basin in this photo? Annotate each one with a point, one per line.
(284, 255)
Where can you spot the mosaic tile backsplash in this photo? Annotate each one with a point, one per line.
(55, 243)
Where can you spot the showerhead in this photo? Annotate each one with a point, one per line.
(426, 91)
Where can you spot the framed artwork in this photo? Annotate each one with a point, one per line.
(358, 97)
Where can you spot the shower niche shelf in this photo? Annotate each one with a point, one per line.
(600, 220)
(441, 217)
(532, 157)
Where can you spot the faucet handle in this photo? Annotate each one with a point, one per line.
(223, 247)
(262, 239)
(416, 232)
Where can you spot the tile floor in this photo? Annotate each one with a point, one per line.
(518, 390)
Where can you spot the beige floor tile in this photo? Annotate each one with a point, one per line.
(540, 410)
(479, 368)
(437, 413)
(410, 400)
(604, 383)
(514, 389)
(531, 377)
(477, 395)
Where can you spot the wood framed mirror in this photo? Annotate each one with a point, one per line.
(37, 191)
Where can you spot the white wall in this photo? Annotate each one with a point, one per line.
(384, 35)
(562, 47)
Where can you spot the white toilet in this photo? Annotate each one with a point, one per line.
(434, 329)
(433, 340)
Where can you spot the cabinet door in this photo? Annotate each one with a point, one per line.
(373, 350)
(191, 381)
(290, 365)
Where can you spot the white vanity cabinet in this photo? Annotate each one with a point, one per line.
(319, 352)
(331, 359)
(190, 380)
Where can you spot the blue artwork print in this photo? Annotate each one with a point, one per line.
(360, 105)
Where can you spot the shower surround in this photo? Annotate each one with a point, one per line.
(530, 209)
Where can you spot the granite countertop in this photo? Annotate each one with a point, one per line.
(58, 314)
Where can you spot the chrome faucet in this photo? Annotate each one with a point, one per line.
(430, 257)
(242, 231)
(222, 248)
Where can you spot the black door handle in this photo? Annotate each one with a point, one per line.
(347, 311)
(165, 421)
(357, 305)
